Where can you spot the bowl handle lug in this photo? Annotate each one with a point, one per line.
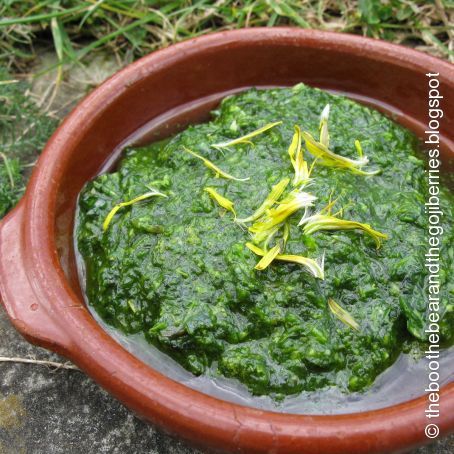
(33, 318)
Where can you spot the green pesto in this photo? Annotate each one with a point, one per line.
(177, 268)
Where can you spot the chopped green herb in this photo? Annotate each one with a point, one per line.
(196, 293)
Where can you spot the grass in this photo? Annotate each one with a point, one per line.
(75, 31)
(132, 28)
(23, 132)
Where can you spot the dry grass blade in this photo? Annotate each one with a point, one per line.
(67, 365)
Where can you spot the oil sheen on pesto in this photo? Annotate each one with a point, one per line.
(177, 269)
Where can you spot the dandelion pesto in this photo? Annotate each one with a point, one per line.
(281, 244)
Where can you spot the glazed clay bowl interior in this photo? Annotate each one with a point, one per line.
(162, 93)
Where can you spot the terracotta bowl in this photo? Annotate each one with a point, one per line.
(161, 92)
